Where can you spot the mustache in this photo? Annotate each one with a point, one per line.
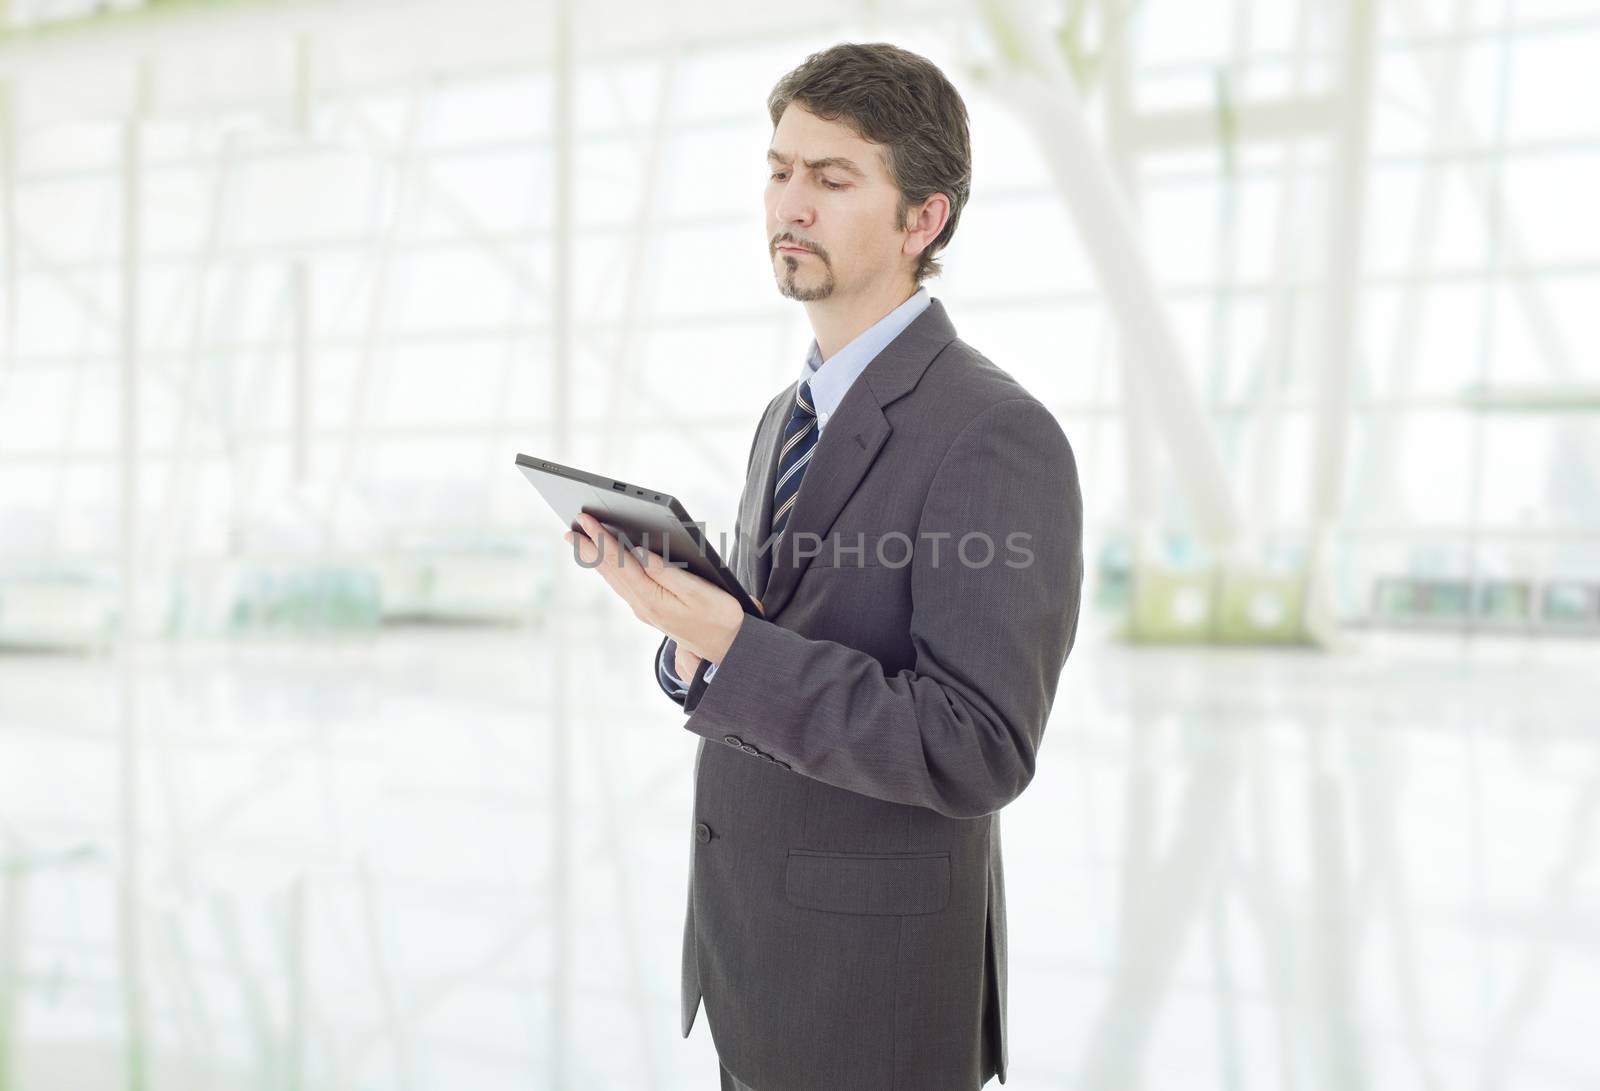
(790, 240)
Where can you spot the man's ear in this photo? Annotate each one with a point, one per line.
(923, 223)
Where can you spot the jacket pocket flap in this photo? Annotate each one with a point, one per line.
(874, 884)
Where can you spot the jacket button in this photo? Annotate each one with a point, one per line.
(780, 764)
(733, 740)
(748, 749)
(702, 832)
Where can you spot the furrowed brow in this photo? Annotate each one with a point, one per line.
(838, 163)
(835, 161)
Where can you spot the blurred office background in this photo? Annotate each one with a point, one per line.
(323, 767)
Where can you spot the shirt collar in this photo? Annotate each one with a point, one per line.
(831, 379)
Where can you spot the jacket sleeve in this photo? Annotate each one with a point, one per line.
(958, 731)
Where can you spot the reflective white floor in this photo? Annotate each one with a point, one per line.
(455, 859)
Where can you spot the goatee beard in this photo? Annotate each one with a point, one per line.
(788, 283)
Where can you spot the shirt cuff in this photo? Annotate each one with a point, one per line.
(669, 677)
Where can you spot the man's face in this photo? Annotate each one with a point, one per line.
(831, 205)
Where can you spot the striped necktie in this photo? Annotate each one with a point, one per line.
(799, 440)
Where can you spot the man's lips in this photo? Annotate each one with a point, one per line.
(795, 250)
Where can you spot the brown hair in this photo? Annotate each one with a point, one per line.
(898, 99)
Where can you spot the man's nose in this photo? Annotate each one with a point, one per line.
(792, 206)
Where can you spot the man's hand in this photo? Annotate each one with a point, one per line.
(699, 615)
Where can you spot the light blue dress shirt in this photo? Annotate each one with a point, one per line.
(830, 380)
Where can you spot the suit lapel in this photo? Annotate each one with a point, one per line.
(849, 445)
(755, 520)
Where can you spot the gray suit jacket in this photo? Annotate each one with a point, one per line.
(846, 916)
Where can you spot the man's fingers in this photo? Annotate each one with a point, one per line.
(673, 580)
(625, 573)
(678, 581)
(602, 546)
(673, 600)
(685, 662)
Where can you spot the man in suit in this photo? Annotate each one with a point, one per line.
(911, 525)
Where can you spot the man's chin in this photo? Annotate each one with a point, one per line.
(804, 295)
(806, 290)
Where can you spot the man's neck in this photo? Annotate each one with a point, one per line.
(836, 322)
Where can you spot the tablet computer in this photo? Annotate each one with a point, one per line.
(637, 516)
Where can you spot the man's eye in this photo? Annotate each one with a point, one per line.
(777, 176)
(833, 185)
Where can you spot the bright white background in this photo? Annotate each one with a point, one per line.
(378, 792)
